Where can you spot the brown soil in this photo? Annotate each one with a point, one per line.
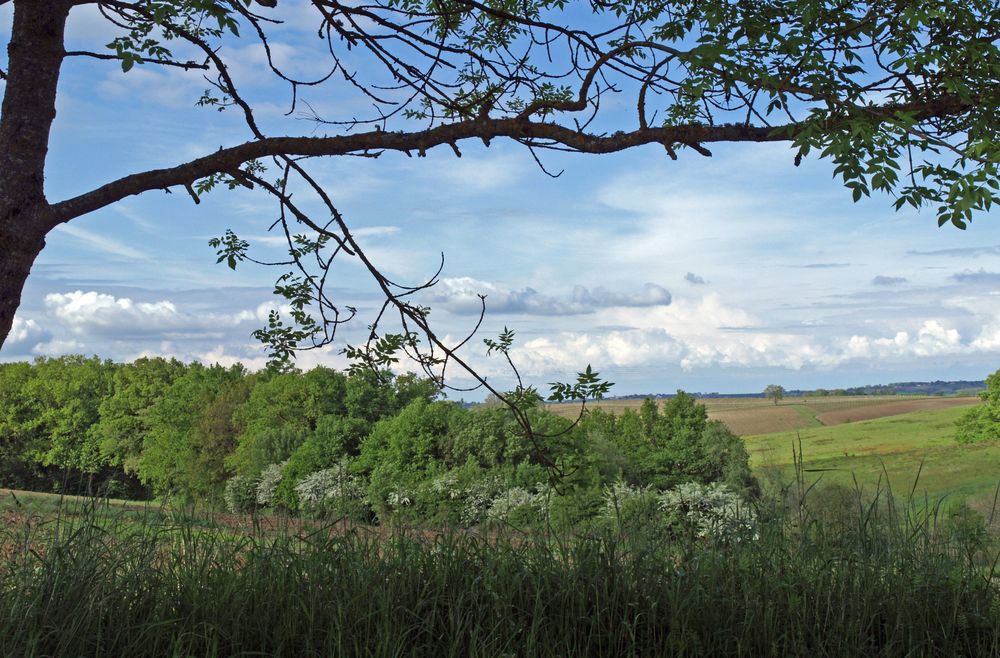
(761, 420)
(892, 409)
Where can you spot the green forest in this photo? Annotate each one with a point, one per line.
(323, 443)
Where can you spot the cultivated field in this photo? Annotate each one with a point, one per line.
(750, 416)
(893, 449)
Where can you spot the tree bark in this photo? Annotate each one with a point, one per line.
(18, 251)
(35, 55)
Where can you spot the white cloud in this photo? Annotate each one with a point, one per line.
(705, 333)
(24, 331)
(87, 29)
(696, 317)
(79, 310)
(306, 60)
(92, 312)
(57, 346)
(931, 339)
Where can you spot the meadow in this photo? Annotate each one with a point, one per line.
(910, 452)
(91, 579)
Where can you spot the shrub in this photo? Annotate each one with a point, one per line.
(520, 506)
(976, 425)
(478, 498)
(982, 423)
(241, 494)
(707, 511)
(332, 490)
(268, 483)
(628, 505)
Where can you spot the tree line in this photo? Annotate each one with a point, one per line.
(363, 443)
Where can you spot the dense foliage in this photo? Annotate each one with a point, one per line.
(982, 423)
(326, 443)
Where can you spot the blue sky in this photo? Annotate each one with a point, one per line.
(708, 274)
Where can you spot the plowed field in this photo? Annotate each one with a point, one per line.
(890, 409)
(746, 416)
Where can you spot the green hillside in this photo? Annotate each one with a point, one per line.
(896, 446)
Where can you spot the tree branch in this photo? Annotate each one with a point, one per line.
(161, 62)
(226, 160)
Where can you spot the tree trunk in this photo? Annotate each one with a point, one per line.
(18, 250)
(35, 55)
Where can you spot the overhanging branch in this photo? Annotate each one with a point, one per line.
(229, 159)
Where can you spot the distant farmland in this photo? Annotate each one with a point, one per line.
(747, 416)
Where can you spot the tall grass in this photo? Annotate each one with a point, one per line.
(865, 577)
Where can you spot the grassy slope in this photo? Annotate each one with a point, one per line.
(897, 444)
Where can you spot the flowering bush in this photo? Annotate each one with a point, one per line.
(711, 510)
(268, 483)
(446, 485)
(241, 494)
(478, 498)
(518, 501)
(626, 503)
(331, 489)
(399, 498)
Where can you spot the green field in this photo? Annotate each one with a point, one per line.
(894, 448)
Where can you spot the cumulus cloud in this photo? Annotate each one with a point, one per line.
(57, 346)
(707, 333)
(694, 279)
(658, 347)
(25, 332)
(98, 313)
(888, 280)
(462, 295)
(92, 310)
(931, 339)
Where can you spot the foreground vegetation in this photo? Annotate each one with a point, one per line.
(865, 578)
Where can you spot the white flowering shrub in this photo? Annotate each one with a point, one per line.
(514, 501)
(627, 503)
(708, 511)
(241, 494)
(399, 498)
(447, 486)
(268, 483)
(478, 499)
(331, 489)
